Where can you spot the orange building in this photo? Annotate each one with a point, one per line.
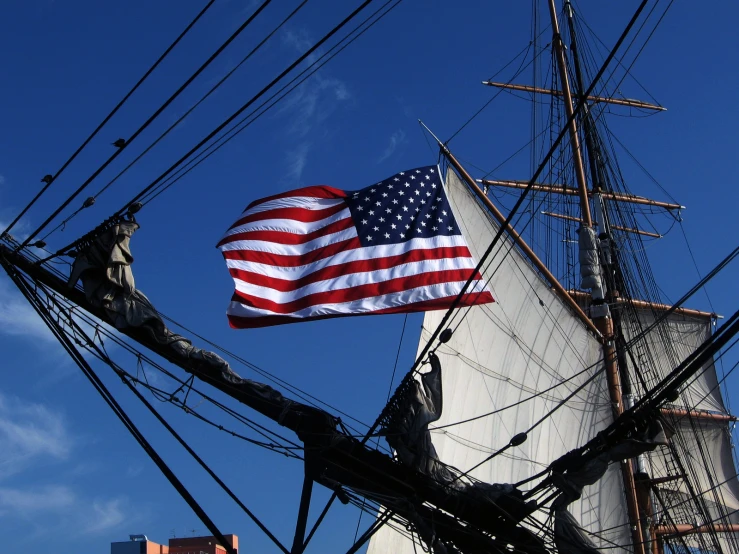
(201, 545)
(140, 544)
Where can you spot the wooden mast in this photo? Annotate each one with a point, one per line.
(562, 189)
(519, 241)
(618, 101)
(574, 138)
(616, 227)
(604, 323)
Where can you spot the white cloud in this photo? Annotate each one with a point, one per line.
(299, 41)
(104, 516)
(83, 469)
(30, 433)
(309, 106)
(134, 470)
(312, 103)
(342, 93)
(296, 160)
(26, 502)
(17, 317)
(62, 510)
(396, 139)
(19, 231)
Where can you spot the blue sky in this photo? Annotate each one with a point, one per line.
(69, 472)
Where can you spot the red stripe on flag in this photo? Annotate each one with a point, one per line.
(356, 266)
(355, 293)
(283, 237)
(296, 214)
(285, 260)
(237, 322)
(298, 262)
(320, 191)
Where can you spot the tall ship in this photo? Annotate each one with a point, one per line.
(556, 401)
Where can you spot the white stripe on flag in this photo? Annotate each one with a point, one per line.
(290, 249)
(289, 225)
(365, 305)
(355, 279)
(364, 253)
(304, 202)
(392, 246)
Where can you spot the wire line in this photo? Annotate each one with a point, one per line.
(107, 118)
(150, 120)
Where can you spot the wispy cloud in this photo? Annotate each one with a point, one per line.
(104, 516)
(25, 502)
(299, 41)
(33, 435)
(17, 317)
(30, 433)
(83, 469)
(296, 160)
(19, 231)
(134, 470)
(18, 320)
(396, 139)
(8, 211)
(308, 108)
(311, 104)
(62, 509)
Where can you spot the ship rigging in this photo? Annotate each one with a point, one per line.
(577, 375)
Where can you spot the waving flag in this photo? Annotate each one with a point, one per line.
(320, 252)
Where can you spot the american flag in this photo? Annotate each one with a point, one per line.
(319, 252)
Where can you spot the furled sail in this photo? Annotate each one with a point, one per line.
(699, 463)
(520, 357)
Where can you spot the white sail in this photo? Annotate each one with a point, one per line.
(509, 352)
(667, 345)
(706, 471)
(700, 460)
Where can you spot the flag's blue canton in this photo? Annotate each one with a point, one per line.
(409, 205)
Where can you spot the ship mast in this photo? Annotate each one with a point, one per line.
(574, 137)
(602, 318)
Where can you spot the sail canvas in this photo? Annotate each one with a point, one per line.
(501, 357)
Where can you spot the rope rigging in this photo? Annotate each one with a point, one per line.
(633, 280)
(254, 115)
(123, 143)
(619, 60)
(49, 179)
(87, 370)
(133, 202)
(706, 462)
(518, 71)
(103, 356)
(308, 398)
(102, 350)
(179, 120)
(461, 317)
(428, 348)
